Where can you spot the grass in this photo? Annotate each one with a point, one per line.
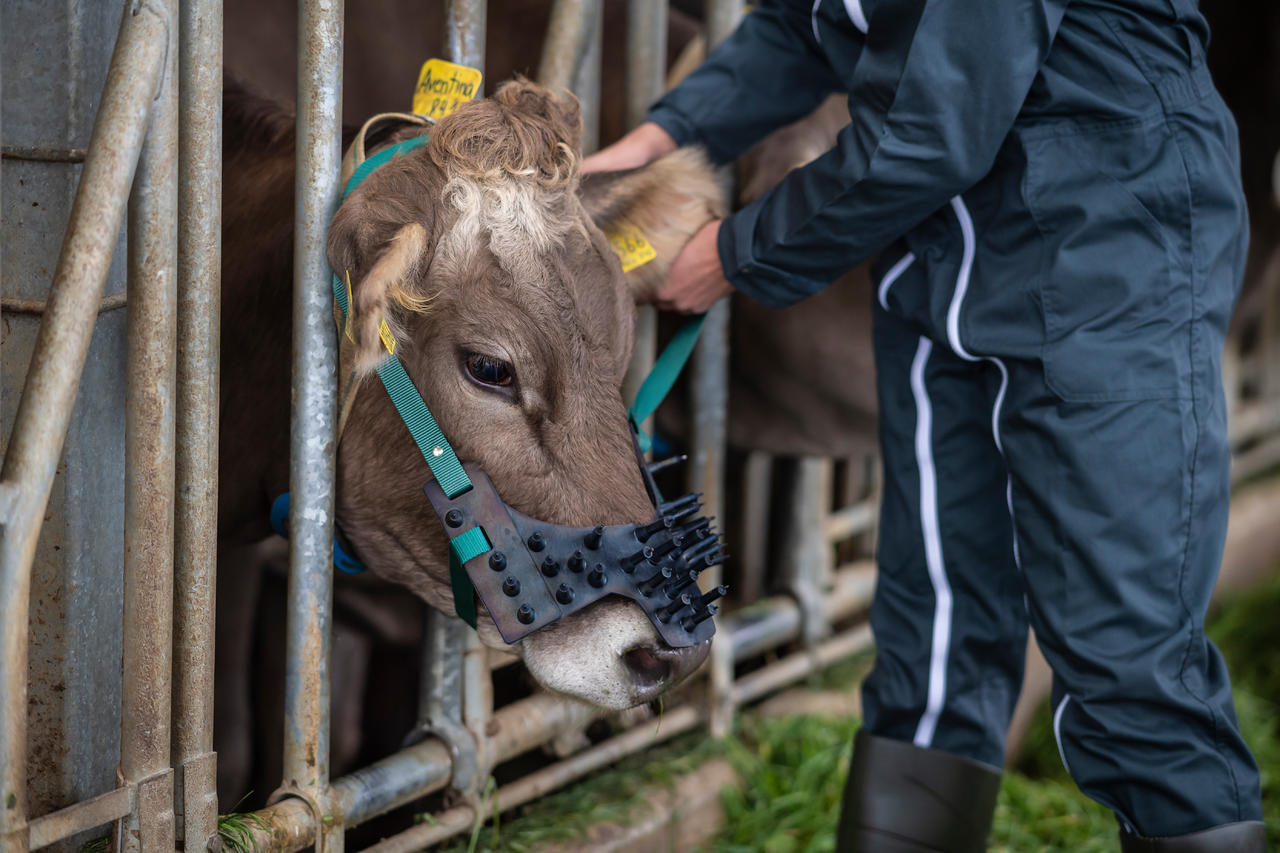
(236, 829)
(793, 768)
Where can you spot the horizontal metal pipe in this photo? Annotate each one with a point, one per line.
(458, 820)
(800, 664)
(84, 815)
(61, 346)
(774, 621)
(850, 521)
(14, 305)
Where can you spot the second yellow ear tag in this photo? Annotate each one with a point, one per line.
(632, 249)
(442, 86)
(388, 339)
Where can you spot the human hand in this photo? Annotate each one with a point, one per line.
(696, 281)
(646, 143)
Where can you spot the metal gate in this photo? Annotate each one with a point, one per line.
(157, 130)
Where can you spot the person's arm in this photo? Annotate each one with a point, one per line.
(767, 73)
(936, 91)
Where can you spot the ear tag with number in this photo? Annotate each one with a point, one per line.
(632, 249)
(442, 86)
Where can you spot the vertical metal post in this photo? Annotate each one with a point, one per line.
(41, 421)
(710, 407)
(149, 464)
(465, 26)
(586, 79)
(806, 551)
(646, 70)
(569, 34)
(196, 466)
(311, 471)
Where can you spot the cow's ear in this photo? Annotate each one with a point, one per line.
(665, 203)
(381, 244)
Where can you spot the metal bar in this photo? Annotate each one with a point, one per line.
(477, 711)
(646, 69)
(458, 820)
(774, 621)
(151, 345)
(97, 811)
(40, 424)
(801, 664)
(850, 521)
(465, 25)
(757, 492)
(807, 555)
(415, 772)
(311, 470)
(196, 466)
(14, 305)
(586, 81)
(569, 35)
(43, 154)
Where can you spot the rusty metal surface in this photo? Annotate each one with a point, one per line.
(150, 397)
(59, 354)
(43, 154)
(35, 307)
(586, 79)
(311, 472)
(196, 465)
(91, 813)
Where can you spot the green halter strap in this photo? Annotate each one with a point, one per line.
(435, 448)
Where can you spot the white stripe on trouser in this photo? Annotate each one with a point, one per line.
(1057, 730)
(932, 549)
(856, 15)
(953, 336)
(891, 276)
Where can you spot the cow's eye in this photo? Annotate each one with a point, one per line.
(488, 370)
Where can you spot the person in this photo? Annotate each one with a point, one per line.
(1053, 192)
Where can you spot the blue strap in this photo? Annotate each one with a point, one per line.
(345, 562)
(666, 370)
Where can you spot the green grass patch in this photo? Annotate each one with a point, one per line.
(236, 829)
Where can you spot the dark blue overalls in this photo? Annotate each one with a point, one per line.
(1054, 192)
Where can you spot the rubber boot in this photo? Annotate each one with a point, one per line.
(1247, 836)
(902, 798)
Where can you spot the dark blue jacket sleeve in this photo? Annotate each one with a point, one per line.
(768, 73)
(935, 92)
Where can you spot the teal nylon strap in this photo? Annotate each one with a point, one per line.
(432, 444)
(657, 385)
(467, 545)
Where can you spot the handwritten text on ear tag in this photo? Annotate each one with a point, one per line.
(442, 86)
(632, 249)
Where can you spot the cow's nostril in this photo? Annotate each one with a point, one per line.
(648, 669)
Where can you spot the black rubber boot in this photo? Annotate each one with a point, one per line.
(902, 798)
(1247, 836)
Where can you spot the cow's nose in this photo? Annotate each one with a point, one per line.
(654, 668)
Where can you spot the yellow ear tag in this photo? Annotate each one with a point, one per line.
(346, 328)
(632, 249)
(388, 339)
(442, 86)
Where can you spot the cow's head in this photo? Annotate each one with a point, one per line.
(486, 259)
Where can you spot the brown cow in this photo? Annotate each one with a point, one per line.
(513, 319)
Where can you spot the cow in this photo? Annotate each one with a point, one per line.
(483, 250)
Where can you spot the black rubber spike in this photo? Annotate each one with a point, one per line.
(680, 504)
(629, 563)
(679, 581)
(593, 539)
(664, 464)
(550, 568)
(706, 598)
(662, 549)
(692, 621)
(694, 553)
(564, 594)
(659, 525)
(596, 577)
(714, 557)
(665, 614)
(577, 562)
(655, 580)
(692, 531)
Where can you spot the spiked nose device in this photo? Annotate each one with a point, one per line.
(537, 572)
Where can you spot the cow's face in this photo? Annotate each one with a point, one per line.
(514, 320)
